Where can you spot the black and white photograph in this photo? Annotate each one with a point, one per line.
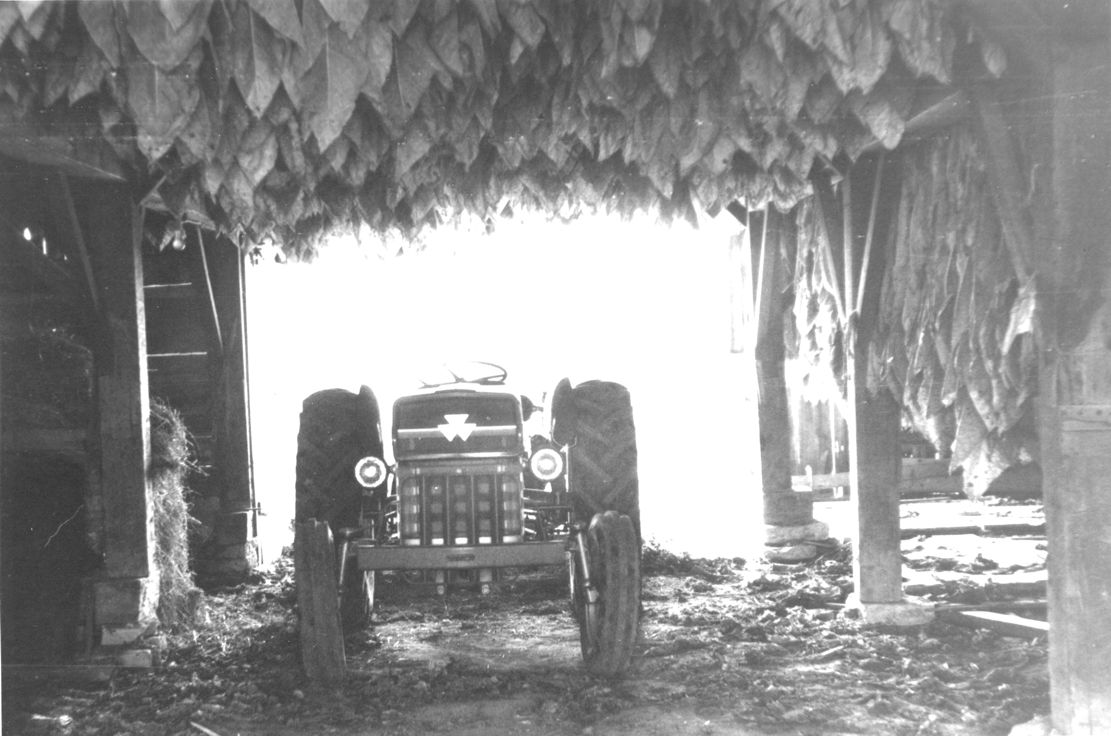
(555, 367)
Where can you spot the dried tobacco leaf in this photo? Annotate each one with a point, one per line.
(161, 103)
(258, 151)
(347, 13)
(524, 20)
(156, 37)
(36, 17)
(9, 16)
(257, 57)
(400, 14)
(101, 22)
(445, 41)
(90, 70)
(328, 90)
(282, 16)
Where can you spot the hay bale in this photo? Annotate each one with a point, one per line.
(171, 461)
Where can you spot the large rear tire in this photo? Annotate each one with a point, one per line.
(608, 627)
(596, 420)
(338, 428)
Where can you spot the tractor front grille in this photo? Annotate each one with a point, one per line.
(461, 504)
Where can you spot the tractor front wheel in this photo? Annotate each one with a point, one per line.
(608, 616)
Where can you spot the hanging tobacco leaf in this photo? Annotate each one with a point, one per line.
(9, 16)
(805, 18)
(925, 42)
(487, 12)
(177, 13)
(90, 70)
(877, 112)
(759, 69)
(237, 195)
(36, 16)
(257, 57)
(59, 74)
(398, 14)
(411, 148)
(329, 89)
(414, 66)
(444, 40)
(665, 61)
(348, 13)
(236, 121)
(314, 31)
(282, 17)
(258, 150)
(156, 37)
(201, 133)
(289, 146)
(161, 103)
(524, 20)
(100, 21)
(870, 53)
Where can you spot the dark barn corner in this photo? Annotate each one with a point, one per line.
(910, 198)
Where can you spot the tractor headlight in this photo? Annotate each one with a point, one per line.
(546, 464)
(370, 472)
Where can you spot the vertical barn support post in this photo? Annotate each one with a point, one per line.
(126, 594)
(1075, 410)
(873, 420)
(236, 528)
(790, 527)
(322, 652)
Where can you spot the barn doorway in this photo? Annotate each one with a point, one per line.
(625, 300)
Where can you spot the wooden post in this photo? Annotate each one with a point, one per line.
(873, 420)
(1074, 293)
(874, 482)
(314, 560)
(790, 528)
(127, 595)
(237, 528)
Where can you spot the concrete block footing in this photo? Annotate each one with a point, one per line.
(815, 531)
(1037, 726)
(907, 612)
(138, 658)
(791, 553)
(116, 636)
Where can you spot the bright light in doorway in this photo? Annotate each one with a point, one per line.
(629, 301)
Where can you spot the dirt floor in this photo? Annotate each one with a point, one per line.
(727, 647)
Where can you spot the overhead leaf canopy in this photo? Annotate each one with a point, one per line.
(291, 117)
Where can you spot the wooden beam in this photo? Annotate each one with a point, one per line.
(941, 108)
(84, 155)
(1007, 624)
(215, 312)
(872, 212)
(982, 530)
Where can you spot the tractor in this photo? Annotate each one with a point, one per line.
(470, 495)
